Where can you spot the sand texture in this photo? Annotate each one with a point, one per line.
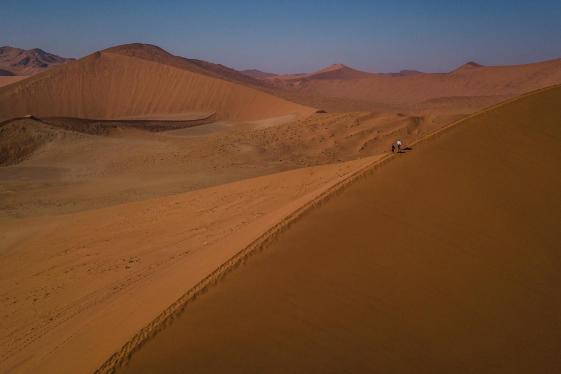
(108, 85)
(81, 285)
(4, 81)
(445, 259)
(133, 181)
(462, 91)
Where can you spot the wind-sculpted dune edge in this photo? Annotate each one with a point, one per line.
(445, 259)
(121, 357)
(173, 311)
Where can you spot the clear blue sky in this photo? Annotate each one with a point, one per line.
(297, 36)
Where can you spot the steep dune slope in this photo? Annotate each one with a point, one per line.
(6, 80)
(107, 85)
(156, 54)
(445, 259)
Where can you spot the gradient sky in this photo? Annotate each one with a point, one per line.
(297, 36)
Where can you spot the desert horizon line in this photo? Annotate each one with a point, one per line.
(320, 68)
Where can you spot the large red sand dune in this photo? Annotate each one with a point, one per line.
(444, 260)
(156, 54)
(130, 83)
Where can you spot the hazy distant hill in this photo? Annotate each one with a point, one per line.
(16, 61)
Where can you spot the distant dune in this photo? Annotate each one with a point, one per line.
(444, 259)
(156, 54)
(257, 74)
(403, 73)
(412, 91)
(331, 72)
(18, 61)
(339, 71)
(135, 81)
(469, 65)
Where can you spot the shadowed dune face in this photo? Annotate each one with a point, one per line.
(109, 85)
(337, 72)
(445, 259)
(21, 138)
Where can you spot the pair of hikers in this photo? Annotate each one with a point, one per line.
(397, 145)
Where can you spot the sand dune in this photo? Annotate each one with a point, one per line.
(108, 85)
(156, 54)
(334, 72)
(339, 71)
(468, 66)
(413, 93)
(445, 259)
(103, 274)
(20, 139)
(257, 74)
(89, 187)
(92, 164)
(138, 173)
(6, 80)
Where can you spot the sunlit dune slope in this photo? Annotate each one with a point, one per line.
(445, 259)
(6, 80)
(109, 85)
(156, 54)
(339, 71)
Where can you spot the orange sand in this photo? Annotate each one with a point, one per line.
(109, 85)
(445, 259)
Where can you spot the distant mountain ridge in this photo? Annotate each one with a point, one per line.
(17, 61)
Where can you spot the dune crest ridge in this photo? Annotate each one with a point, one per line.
(110, 85)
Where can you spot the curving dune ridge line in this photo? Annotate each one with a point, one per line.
(446, 259)
(173, 311)
(108, 85)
